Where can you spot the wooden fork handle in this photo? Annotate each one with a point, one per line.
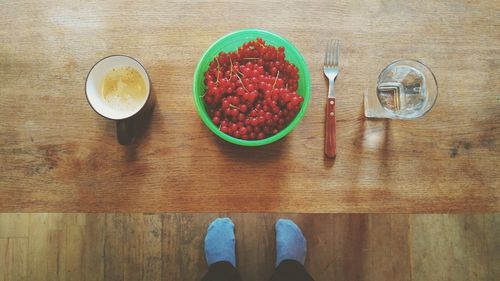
(330, 129)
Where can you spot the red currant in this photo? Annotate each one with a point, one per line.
(251, 93)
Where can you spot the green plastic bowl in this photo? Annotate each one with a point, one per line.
(231, 42)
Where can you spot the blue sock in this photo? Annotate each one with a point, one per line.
(220, 242)
(290, 242)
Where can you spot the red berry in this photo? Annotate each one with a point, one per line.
(252, 98)
(254, 122)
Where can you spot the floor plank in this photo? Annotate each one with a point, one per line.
(13, 260)
(95, 231)
(133, 246)
(19, 257)
(456, 247)
(169, 246)
(38, 240)
(152, 243)
(58, 257)
(75, 259)
(183, 257)
(14, 225)
(349, 246)
(388, 256)
(3, 258)
(254, 244)
(113, 247)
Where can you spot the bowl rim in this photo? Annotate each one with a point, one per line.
(204, 115)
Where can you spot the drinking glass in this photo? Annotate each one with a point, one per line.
(406, 89)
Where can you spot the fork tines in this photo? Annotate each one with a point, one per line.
(332, 53)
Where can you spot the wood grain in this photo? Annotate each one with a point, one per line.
(14, 259)
(169, 246)
(57, 155)
(458, 243)
(60, 259)
(181, 237)
(38, 239)
(153, 224)
(14, 225)
(114, 264)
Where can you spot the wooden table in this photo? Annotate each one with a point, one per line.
(56, 154)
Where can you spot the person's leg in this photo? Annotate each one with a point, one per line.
(220, 251)
(291, 270)
(222, 271)
(291, 248)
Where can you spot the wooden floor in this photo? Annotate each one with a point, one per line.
(170, 246)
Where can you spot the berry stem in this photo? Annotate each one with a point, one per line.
(237, 71)
(231, 74)
(218, 70)
(233, 69)
(276, 79)
(242, 85)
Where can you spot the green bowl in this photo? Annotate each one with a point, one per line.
(231, 42)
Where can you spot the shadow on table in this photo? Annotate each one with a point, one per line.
(372, 141)
(257, 154)
(140, 125)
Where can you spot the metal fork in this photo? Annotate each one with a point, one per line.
(331, 70)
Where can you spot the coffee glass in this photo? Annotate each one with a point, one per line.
(125, 114)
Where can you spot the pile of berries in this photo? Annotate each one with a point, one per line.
(251, 93)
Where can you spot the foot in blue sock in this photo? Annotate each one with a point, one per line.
(220, 242)
(290, 242)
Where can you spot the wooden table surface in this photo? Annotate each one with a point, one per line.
(56, 154)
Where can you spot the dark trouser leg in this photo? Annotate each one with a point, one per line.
(290, 270)
(222, 271)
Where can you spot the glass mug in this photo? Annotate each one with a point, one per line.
(406, 89)
(119, 88)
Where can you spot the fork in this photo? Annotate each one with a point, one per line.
(331, 70)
